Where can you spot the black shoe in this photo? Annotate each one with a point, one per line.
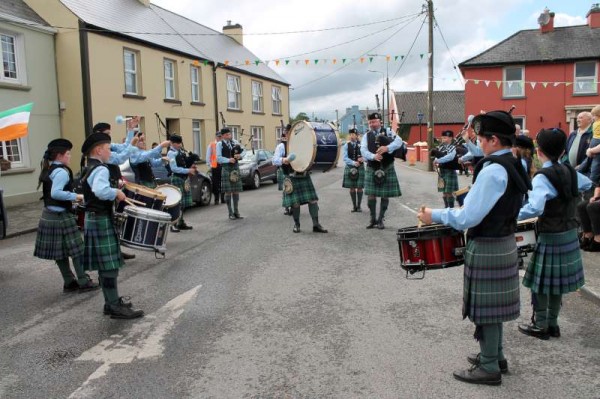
(237, 216)
(71, 287)
(296, 228)
(175, 229)
(232, 217)
(183, 226)
(287, 211)
(354, 209)
(319, 229)
(216, 201)
(372, 225)
(128, 256)
(474, 359)
(380, 225)
(88, 286)
(594, 246)
(534, 331)
(585, 242)
(476, 375)
(123, 301)
(358, 209)
(554, 331)
(124, 312)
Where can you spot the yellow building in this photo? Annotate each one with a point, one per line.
(130, 57)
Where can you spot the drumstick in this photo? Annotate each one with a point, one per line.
(133, 202)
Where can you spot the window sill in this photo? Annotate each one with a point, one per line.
(172, 101)
(14, 86)
(584, 94)
(274, 114)
(234, 110)
(17, 171)
(258, 112)
(197, 103)
(513, 97)
(134, 96)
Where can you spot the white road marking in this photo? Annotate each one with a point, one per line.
(409, 208)
(143, 341)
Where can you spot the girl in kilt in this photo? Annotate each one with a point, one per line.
(58, 236)
(446, 164)
(179, 177)
(555, 267)
(229, 152)
(101, 243)
(491, 276)
(354, 172)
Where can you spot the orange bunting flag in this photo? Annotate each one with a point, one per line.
(247, 62)
(226, 62)
(306, 61)
(195, 63)
(387, 57)
(276, 62)
(362, 59)
(334, 60)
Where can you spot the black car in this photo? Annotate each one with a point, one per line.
(257, 167)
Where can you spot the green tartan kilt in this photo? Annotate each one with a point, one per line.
(358, 183)
(102, 250)
(491, 280)
(186, 196)
(58, 236)
(226, 185)
(304, 191)
(149, 184)
(280, 178)
(450, 181)
(389, 188)
(555, 267)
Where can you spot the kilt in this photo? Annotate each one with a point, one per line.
(555, 267)
(304, 191)
(390, 186)
(58, 236)
(149, 184)
(491, 280)
(102, 251)
(186, 196)
(450, 181)
(358, 183)
(226, 185)
(280, 178)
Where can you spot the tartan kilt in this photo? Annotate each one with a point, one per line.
(226, 185)
(304, 191)
(555, 266)
(186, 196)
(450, 181)
(149, 184)
(101, 242)
(358, 183)
(280, 178)
(58, 236)
(389, 188)
(491, 280)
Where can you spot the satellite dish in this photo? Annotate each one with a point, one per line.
(544, 18)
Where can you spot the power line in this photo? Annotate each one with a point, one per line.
(410, 49)
(449, 52)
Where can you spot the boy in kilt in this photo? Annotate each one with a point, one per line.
(178, 178)
(380, 175)
(281, 151)
(229, 152)
(58, 236)
(491, 276)
(354, 172)
(446, 162)
(142, 161)
(101, 243)
(555, 267)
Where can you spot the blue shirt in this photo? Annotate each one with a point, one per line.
(125, 146)
(60, 178)
(220, 158)
(448, 157)
(173, 163)
(473, 150)
(138, 156)
(100, 184)
(364, 144)
(347, 160)
(490, 185)
(278, 154)
(544, 191)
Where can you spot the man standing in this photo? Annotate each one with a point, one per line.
(354, 172)
(179, 177)
(446, 163)
(215, 168)
(579, 140)
(229, 152)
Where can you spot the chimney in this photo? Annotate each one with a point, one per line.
(593, 16)
(236, 32)
(546, 21)
(146, 3)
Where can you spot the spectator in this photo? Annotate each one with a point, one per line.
(594, 148)
(579, 141)
(589, 214)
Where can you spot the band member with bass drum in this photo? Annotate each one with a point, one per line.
(281, 151)
(380, 176)
(177, 162)
(354, 172)
(229, 152)
(447, 164)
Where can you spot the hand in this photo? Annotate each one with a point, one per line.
(593, 199)
(378, 157)
(133, 123)
(357, 164)
(192, 171)
(424, 215)
(231, 160)
(165, 159)
(135, 140)
(460, 161)
(361, 160)
(79, 198)
(237, 156)
(436, 162)
(120, 196)
(382, 150)
(589, 153)
(285, 161)
(165, 144)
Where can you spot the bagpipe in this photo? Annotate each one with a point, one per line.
(190, 158)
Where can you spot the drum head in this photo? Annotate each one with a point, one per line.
(302, 142)
(171, 192)
(147, 214)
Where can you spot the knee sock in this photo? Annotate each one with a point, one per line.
(313, 209)
(359, 195)
(554, 302)
(500, 339)
(541, 310)
(65, 271)
(384, 205)
(353, 196)
(296, 214)
(372, 203)
(488, 346)
(228, 200)
(236, 200)
(82, 278)
(109, 286)
(450, 202)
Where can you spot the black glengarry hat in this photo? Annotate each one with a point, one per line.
(101, 127)
(552, 142)
(60, 144)
(225, 130)
(497, 123)
(353, 130)
(447, 133)
(93, 140)
(175, 138)
(374, 115)
(524, 142)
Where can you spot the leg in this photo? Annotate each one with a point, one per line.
(115, 306)
(236, 200)
(296, 216)
(359, 195)
(84, 281)
(384, 205)
(372, 203)
(353, 197)
(539, 327)
(486, 369)
(229, 207)
(69, 281)
(313, 209)
(554, 303)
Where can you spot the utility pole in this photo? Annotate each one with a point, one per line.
(430, 85)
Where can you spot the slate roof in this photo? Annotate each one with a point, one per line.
(169, 30)
(18, 8)
(449, 106)
(567, 43)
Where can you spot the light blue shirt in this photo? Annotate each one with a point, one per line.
(448, 157)
(364, 144)
(490, 185)
(347, 160)
(473, 150)
(138, 156)
(114, 147)
(60, 178)
(544, 191)
(220, 158)
(100, 184)
(278, 155)
(173, 163)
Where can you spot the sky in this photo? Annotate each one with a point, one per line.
(325, 30)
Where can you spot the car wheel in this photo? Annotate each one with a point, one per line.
(256, 180)
(205, 193)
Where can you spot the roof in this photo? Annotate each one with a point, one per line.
(168, 30)
(18, 9)
(532, 46)
(449, 106)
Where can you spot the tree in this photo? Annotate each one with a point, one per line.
(300, 117)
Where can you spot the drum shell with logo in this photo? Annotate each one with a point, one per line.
(316, 146)
(430, 247)
(526, 235)
(172, 203)
(145, 229)
(152, 198)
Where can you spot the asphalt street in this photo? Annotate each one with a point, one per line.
(247, 308)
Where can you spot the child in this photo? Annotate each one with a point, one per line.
(555, 267)
(445, 161)
(525, 149)
(594, 149)
(58, 237)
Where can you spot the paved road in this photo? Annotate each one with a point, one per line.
(249, 309)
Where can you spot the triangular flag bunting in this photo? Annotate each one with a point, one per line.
(533, 84)
(387, 57)
(276, 62)
(476, 81)
(545, 84)
(568, 84)
(421, 55)
(395, 58)
(498, 83)
(487, 83)
(287, 62)
(257, 62)
(334, 60)
(247, 62)
(429, 55)
(297, 62)
(556, 84)
(226, 62)
(306, 62)
(362, 59)
(401, 57)
(343, 60)
(316, 62)
(205, 62)
(370, 59)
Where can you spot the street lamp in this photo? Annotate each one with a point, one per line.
(382, 94)
(420, 118)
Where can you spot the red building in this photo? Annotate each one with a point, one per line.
(549, 74)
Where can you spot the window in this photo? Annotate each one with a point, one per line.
(257, 96)
(276, 96)
(130, 62)
(585, 78)
(170, 79)
(520, 120)
(234, 92)
(235, 132)
(11, 56)
(257, 137)
(13, 152)
(197, 137)
(278, 131)
(195, 79)
(514, 82)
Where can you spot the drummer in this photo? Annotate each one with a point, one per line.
(446, 168)
(555, 267)
(142, 161)
(179, 177)
(281, 152)
(354, 172)
(231, 181)
(491, 277)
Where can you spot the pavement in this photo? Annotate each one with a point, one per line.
(23, 219)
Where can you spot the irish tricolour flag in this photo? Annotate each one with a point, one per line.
(13, 123)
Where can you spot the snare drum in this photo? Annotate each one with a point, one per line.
(461, 194)
(526, 236)
(316, 146)
(172, 203)
(152, 198)
(145, 229)
(430, 247)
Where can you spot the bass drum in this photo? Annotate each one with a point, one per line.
(316, 146)
(172, 204)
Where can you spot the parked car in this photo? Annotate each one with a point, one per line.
(257, 167)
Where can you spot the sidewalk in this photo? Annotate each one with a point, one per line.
(23, 219)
